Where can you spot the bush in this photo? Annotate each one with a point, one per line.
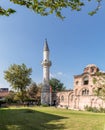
(92, 109)
(101, 109)
(88, 108)
(44, 105)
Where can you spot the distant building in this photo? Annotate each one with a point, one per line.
(3, 93)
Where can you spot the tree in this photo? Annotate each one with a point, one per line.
(10, 97)
(46, 7)
(19, 78)
(34, 92)
(99, 81)
(56, 85)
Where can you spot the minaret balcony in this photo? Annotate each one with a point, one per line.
(46, 63)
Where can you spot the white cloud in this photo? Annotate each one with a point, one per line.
(60, 73)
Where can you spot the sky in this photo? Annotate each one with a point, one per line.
(74, 42)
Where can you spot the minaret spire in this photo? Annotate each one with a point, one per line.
(46, 48)
(46, 63)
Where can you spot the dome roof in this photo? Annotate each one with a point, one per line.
(91, 65)
(91, 68)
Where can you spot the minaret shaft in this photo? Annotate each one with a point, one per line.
(46, 75)
(46, 63)
(45, 55)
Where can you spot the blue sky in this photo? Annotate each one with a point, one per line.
(75, 42)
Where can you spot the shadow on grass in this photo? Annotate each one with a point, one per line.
(28, 119)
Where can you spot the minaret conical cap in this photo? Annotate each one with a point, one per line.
(46, 48)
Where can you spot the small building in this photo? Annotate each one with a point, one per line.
(3, 93)
(83, 92)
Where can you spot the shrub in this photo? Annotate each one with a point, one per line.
(101, 109)
(92, 109)
(44, 105)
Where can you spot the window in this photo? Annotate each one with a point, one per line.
(76, 82)
(85, 80)
(92, 69)
(99, 91)
(85, 92)
(62, 98)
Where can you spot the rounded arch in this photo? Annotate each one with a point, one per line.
(76, 91)
(85, 80)
(84, 91)
(62, 98)
(70, 99)
(70, 96)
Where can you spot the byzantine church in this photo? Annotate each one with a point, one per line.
(82, 94)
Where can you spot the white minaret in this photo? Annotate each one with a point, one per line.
(46, 63)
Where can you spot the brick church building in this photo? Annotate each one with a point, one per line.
(83, 92)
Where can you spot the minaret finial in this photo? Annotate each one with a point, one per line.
(46, 48)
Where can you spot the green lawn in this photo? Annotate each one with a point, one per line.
(46, 118)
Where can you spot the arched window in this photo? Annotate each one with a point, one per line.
(72, 96)
(85, 80)
(92, 69)
(62, 98)
(85, 92)
(76, 82)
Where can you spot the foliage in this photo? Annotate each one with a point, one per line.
(34, 92)
(95, 109)
(6, 12)
(99, 81)
(46, 7)
(10, 97)
(19, 78)
(44, 105)
(92, 109)
(56, 85)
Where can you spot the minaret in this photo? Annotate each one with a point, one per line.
(46, 63)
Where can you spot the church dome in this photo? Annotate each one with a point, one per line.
(91, 68)
(91, 65)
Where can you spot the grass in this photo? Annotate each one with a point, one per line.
(46, 118)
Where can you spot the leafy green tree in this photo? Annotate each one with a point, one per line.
(46, 7)
(56, 85)
(19, 78)
(34, 92)
(10, 97)
(99, 81)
